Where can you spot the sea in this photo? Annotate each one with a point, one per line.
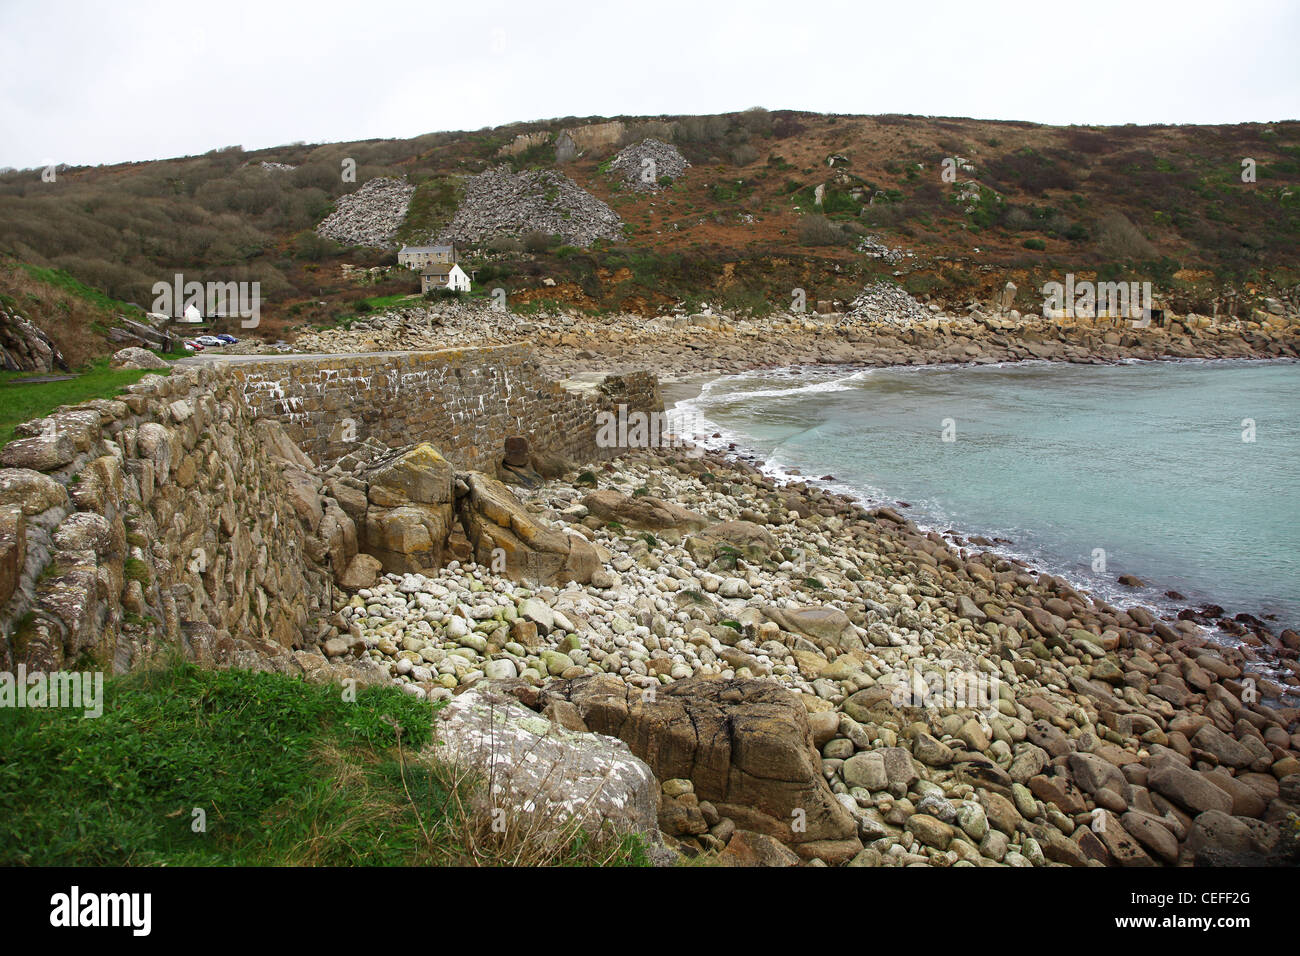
(1185, 474)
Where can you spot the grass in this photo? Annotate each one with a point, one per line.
(285, 773)
(21, 403)
(62, 280)
(370, 308)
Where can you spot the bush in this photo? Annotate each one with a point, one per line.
(538, 241)
(819, 231)
(505, 244)
(1118, 238)
(1036, 244)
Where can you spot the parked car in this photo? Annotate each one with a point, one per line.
(228, 339)
(193, 346)
(208, 341)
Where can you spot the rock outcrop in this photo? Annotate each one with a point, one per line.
(504, 536)
(745, 745)
(24, 347)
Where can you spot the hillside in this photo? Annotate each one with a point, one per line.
(948, 208)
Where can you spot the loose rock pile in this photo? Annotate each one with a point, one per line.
(876, 248)
(499, 202)
(887, 304)
(663, 160)
(370, 216)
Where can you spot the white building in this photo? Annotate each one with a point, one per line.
(442, 275)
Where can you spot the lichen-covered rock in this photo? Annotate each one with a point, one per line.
(44, 452)
(30, 490)
(545, 776)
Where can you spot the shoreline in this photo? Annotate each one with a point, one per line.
(685, 390)
(882, 632)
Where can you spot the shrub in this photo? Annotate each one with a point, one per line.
(1118, 238)
(1036, 244)
(538, 241)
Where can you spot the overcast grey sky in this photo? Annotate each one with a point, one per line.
(101, 82)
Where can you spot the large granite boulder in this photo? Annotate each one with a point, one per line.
(641, 511)
(744, 744)
(545, 776)
(500, 529)
(827, 626)
(409, 514)
(743, 538)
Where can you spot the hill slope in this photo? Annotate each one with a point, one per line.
(770, 201)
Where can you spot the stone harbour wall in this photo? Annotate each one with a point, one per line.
(188, 513)
(465, 402)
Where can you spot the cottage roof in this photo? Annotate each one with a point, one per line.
(433, 249)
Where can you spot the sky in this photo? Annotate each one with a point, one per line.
(86, 83)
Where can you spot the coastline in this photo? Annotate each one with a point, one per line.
(1154, 597)
(964, 709)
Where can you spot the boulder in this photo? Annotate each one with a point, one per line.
(744, 744)
(748, 539)
(543, 776)
(1228, 751)
(408, 538)
(825, 625)
(418, 475)
(136, 357)
(494, 519)
(362, 572)
(31, 491)
(641, 511)
(409, 515)
(747, 848)
(44, 452)
(1187, 788)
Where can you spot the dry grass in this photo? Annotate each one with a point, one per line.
(489, 830)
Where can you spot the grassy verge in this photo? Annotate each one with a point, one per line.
(285, 772)
(23, 402)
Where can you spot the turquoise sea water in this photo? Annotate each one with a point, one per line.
(1144, 461)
